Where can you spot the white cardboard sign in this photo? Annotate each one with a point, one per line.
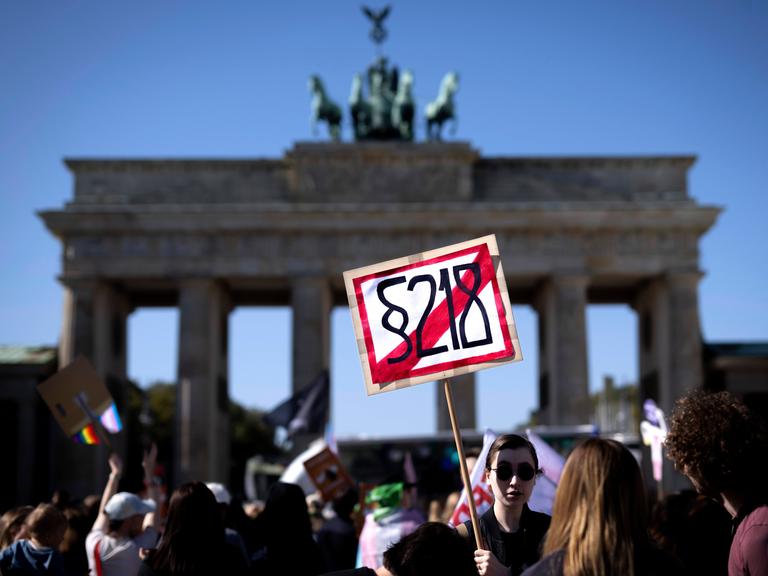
(432, 315)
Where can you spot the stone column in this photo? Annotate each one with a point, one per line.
(111, 311)
(83, 470)
(95, 319)
(670, 353)
(652, 309)
(111, 308)
(311, 309)
(685, 358)
(463, 390)
(311, 335)
(563, 379)
(202, 398)
(77, 330)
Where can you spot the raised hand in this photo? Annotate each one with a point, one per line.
(115, 465)
(150, 461)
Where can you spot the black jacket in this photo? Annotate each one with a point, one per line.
(530, 536)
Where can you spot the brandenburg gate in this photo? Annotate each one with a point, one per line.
(210, 235)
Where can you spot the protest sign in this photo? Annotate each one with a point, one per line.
(328, 474)
(78, 399)
(432, 315)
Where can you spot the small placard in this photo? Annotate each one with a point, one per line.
(61, 391)
(328, 475)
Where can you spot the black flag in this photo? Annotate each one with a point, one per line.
(306, 411)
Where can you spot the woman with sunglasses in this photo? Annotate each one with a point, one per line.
(512, 533)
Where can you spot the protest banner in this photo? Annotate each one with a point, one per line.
(654, 431)
(432, 316)
(551, 464)
(481, 492)
(328, 475)
(81, 403)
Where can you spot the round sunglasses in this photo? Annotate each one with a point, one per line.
(505, 471)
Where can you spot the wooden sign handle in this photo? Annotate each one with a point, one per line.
(463, 464)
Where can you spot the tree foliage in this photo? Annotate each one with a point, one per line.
(152, 413)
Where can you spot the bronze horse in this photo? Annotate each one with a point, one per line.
(442, 110)
(325, 109)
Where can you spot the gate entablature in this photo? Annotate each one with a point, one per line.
(209, 234)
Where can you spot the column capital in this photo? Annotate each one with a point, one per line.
(192, 282)
(317, 280)
(573, 279)
(683, 278)
(199, 284)
(80, 284)
(561, 281)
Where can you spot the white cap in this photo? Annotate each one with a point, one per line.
(220, 492)
(124, 505)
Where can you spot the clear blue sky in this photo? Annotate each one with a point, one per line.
(228, 79)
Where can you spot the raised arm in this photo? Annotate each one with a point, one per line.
(115, 472)
(149, 463)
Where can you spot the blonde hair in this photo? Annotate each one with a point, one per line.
(599, 513)
(12, 523)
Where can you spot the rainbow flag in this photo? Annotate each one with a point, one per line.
(86, 436)
(110, 419)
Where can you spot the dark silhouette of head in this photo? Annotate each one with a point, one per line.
(287, 532)
(433, 548)
(193, 540)
(344, 505)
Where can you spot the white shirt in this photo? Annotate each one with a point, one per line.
(119, 556)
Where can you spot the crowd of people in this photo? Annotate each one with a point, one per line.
(601, 522)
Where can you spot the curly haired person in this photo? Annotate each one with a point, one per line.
(722, 448)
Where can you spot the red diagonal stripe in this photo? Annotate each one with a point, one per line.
(436, 324)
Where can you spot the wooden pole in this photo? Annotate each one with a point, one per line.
(463, 464)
